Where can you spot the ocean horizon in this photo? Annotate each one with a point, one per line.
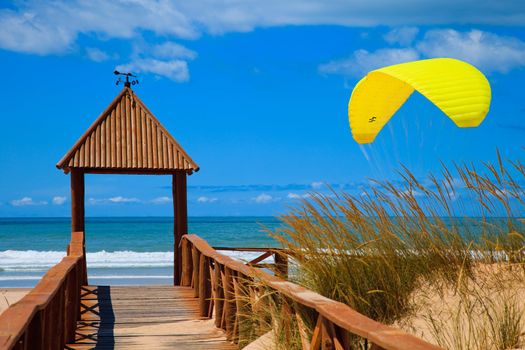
(139, 250)
(120, 250)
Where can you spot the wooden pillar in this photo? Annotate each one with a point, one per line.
(180, 215)
(77, 214)
(77, 200)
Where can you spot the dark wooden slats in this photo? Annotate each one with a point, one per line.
(127, 136)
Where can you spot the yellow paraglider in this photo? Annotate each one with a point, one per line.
(457, 88)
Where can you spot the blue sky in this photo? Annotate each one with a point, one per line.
(256, 92)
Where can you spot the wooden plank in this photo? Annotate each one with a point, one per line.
(138, 134)
(170, 156)
(129, 127)
(149, 144)
(124, 132)
(107, 135)
(123, 322)
(91, 149)
(112, 140)
(154, 147)
(97, 147)
(118, 137)
(143, 119)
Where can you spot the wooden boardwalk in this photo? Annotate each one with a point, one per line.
(144, 317)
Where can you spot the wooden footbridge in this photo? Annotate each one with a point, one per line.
(213, 299)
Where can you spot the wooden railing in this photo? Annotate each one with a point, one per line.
(46, 317)
(221, 283)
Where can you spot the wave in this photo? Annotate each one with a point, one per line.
(102, 277)
(33, 261)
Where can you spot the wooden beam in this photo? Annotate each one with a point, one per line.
(77, 201)
(180, 225)
(130, 171)
(78, 214)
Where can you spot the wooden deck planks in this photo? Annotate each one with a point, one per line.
(144, 317)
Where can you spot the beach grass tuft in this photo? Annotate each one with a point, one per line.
(393, 244)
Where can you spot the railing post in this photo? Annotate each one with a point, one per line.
(61, 310)
(219, 294)
(281, 264)
(242, 304)
(187, 263)
(229, 302)
(196, 260)
(204, 286)
(35, 332)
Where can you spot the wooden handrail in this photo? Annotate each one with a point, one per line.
(216, 278)
(46, 317)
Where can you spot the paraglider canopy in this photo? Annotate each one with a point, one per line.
(459, 89)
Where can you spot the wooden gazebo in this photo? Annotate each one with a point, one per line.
(128, 139)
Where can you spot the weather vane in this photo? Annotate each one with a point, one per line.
(127, 83)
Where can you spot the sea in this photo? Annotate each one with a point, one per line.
(120, 251)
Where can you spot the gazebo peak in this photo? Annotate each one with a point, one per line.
(127, 139)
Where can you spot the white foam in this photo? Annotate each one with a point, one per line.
(102, 277)
(32, 260)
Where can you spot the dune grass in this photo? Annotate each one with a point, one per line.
(376, 250)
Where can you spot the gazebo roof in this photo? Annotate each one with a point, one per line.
(127, 139)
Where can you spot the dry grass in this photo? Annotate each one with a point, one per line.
(376, 251)
(263, 310)
(483, 312)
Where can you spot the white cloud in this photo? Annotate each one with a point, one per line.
(94, 201)
(53, 26)
(363, 61)
(120, 199)
(117, 199)
(487, 51)
(204, 199)
(26, 201)
(169, 49)
(176, 70)
(263, 198)
(49, 27)
(403, 35)
(161, 200)
(59, 200)
(224, 16)
(317, 185)
(96, 55)
(292, 195)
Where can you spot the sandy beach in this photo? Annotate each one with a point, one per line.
(9, 296)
